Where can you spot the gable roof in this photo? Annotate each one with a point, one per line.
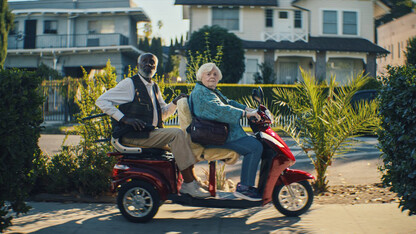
(321, 44)
(228, 2)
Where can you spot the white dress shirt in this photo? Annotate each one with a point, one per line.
(123, 93)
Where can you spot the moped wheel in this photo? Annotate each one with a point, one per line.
(138, 201)
(294, 199)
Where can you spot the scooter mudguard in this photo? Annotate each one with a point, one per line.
(146, 175)
(291, 176)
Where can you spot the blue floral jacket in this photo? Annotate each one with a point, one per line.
(206, 104)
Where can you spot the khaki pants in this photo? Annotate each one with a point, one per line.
(174, 138)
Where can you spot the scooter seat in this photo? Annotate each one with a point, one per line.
(134, 149)
(200, 152)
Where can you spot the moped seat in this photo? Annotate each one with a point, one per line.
(201, 153)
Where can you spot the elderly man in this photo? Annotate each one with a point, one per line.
(139, 119)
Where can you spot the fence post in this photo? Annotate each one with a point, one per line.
(66, 102)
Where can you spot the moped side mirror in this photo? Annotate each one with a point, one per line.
(258, 95)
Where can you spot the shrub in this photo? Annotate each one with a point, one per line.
(84, 168)
(20, 119)
(398, 134)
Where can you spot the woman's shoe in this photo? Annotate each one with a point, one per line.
(247, 193)
(194, 190)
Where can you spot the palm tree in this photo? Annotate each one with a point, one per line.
(325, 120)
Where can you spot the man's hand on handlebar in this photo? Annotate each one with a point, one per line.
(182, 95)
(137, 124)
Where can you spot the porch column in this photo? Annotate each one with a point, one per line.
(119, 71)
(269, 58)
(320, 66)
(371, 67)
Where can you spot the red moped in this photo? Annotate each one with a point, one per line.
(145, 178)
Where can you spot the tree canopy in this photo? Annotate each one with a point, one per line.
(232, 65)
(6, 23)
(411, 52)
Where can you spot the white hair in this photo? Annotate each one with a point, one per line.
(207, 67)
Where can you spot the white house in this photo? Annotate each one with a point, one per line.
(68, 34)
(325, 37)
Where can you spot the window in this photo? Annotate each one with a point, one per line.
(283, 15)
(349, 19)
(102, 26)
(269, 18)
(251, 69)
(337, 22)
(298, 19)
(15, 28)
(50, 27)
(398, 50)
(227, 18)
(343, 69)
(330, 22)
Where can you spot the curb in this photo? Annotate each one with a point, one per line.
(67, 198)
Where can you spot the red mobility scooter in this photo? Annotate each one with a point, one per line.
(146, 177)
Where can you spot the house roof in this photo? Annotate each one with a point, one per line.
(136, 12)
(228, 2)
(321, 44)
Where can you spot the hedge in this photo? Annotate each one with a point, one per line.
(20, 119)
(398, 134)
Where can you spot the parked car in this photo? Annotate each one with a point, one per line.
(367, 95)
(364, 95)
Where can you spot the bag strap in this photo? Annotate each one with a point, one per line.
(223, 100)
(191, 107)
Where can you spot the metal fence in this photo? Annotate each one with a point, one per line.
(57, 106)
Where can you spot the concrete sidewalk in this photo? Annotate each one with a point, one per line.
(80, 218)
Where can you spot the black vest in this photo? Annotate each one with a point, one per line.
(140, 108)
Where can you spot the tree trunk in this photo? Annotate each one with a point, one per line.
(321, 183)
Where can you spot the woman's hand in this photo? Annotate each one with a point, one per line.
(253, 114)
(248, 109)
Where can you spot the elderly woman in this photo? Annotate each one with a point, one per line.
(209, 103)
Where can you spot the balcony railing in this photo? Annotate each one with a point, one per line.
(65, 41)
(289, 36)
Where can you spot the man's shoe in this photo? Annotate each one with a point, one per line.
(194, 190)
(201, 184)
(247, 193)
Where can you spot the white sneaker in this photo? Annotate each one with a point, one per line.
(201, 184)
(194, 190)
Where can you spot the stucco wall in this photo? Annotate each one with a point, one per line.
(393, 37)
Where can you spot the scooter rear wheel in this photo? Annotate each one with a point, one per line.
(138, 201)
(294, 199)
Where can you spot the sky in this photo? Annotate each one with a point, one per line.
(170, 15)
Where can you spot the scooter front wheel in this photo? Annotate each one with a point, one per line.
(138, 201)
(293, 199)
